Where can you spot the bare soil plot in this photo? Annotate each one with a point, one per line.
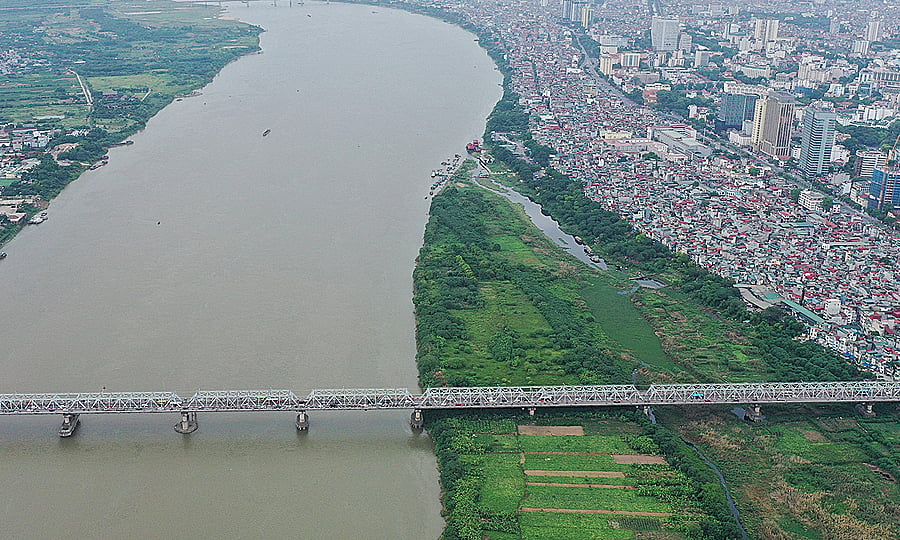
(551, 430)
(642, 459)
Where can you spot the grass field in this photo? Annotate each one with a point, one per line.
(817, 472)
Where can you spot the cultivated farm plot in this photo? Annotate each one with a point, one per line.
(573, 463)
(563, 486)
(624, 501)
(557, 526)
(608, 444)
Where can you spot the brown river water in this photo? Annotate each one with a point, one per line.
(208, 256)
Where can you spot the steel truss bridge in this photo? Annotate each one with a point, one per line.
(71, 405)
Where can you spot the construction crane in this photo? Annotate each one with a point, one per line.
(893, 152)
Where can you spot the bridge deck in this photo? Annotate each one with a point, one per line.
(450, 398)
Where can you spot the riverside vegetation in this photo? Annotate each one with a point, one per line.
(497, 303)
(134, 56)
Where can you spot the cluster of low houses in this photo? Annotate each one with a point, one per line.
(833, 267)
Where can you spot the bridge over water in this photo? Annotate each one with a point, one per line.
(752, 395)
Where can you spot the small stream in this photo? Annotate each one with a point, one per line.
(545, 223)
(734, 510)
(566, 241)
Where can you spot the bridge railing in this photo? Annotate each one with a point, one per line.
(99, 402)
(244, 400)
(362, 398)
(451, 397)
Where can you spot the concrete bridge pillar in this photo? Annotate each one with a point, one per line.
(417, 420)
(753, 413)
(302, 421)
(188, 423)
(865, 410)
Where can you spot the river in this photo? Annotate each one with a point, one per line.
(208, 256)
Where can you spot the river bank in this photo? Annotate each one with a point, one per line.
(205, 255)
(121, 96)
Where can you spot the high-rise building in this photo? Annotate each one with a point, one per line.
(571, 10)
(818, 128)
(664, 33)
(606, 63)
(587, 15)
(867, 161)
(884, 189)
(630, 59)
(773, 123)
(701, 59)
(759, 122)
(873, 31)
(766, 29)
(735, 109)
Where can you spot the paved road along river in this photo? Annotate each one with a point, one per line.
(209, 256)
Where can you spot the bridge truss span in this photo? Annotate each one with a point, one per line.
(87, 402)
(529, 396)
(362, 398)
(71, 405)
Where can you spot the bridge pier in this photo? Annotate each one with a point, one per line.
(69, 424)
(416, 420)
(753, 413)
(865, 410)
(302, 421)
(188, 423)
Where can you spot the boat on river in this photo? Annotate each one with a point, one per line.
(266, 132)
(69, 425)
(2, 255)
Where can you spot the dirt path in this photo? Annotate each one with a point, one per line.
(577, 474)
(555, 484)
(608, 512)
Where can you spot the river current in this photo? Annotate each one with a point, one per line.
(209, 256)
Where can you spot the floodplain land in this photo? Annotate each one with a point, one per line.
(90, 74)
(498, 303)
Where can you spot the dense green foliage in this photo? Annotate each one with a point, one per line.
(722, 525)
(676, 101)
(455, 263)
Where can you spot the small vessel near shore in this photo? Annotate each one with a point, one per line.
(2, 255)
